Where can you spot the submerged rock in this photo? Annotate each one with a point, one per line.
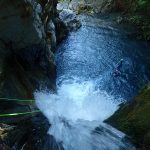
(134, 119)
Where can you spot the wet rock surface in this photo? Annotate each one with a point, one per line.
(30, 31)
(27, 41)
(133, 119)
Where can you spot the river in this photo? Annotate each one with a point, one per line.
(87, 91)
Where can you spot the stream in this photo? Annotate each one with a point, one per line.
(87, 91)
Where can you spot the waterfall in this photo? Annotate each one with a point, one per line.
(76, 115)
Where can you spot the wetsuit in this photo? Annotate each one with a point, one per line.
(119, 65)
(117, 71)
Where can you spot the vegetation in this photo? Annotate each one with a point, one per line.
(142, 17)
(134, 119)
(139, 14)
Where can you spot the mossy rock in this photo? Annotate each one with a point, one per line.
(133, 118)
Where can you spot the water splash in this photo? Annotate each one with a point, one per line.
(76, 101)
(76, 114)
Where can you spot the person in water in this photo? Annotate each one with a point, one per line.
(117, 71)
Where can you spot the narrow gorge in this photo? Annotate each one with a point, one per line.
(74, 75)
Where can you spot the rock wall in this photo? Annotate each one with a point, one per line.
(134, 119)
(29, 33)
(28, 37)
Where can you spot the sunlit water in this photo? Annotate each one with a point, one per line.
(87, 92)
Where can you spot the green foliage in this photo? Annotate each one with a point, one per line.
(144, 24)
(136, 19)
(143, 6)
(140, 15)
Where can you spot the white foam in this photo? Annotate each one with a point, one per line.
(74, 113)
(76, 101)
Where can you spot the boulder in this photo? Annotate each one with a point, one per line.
(70, 19)
(87, 6)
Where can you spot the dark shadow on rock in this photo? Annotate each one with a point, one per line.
(51, 144)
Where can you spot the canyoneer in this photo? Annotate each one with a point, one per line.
(117, 71)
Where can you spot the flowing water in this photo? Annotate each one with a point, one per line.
(87, 91)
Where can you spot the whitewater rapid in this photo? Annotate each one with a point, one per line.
(75, 101)
(76, 114)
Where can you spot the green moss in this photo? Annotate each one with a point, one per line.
(134, 118)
